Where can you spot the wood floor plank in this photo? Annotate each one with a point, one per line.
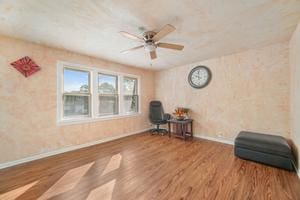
(146, 166)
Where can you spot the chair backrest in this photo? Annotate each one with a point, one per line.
(156, 111)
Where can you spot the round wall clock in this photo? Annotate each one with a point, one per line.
(199, 77)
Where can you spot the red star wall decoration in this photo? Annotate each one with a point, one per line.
(26, 66)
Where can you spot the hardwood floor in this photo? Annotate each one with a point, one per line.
(148, 167)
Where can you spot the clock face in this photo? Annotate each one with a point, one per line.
(199, 77)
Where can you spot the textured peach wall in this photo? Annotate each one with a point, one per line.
(248, 91)
(295, 88)
(28, 105)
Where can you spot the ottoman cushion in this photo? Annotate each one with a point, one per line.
(264, 143)
(268, 149)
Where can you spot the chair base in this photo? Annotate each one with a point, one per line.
(158, 130)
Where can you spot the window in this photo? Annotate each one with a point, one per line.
(76, 96)
(93, 94)
(130, 95)
(108, 94)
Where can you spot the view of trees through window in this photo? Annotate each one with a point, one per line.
(130, 97)
(108, 94)
(76, 105)
(76, 93)
(76, 81)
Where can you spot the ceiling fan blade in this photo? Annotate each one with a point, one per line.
(153, 55)
(132, 49)
(170, 46)
(131, 36)
(163, 32)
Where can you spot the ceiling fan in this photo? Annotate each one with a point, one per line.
(150, 40)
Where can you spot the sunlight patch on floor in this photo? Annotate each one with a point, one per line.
(114, 163)
(67, 182)
(17, 192)
(103, 192)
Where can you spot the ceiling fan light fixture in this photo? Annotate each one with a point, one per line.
(150, 46)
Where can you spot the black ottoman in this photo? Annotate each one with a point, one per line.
(267, 149)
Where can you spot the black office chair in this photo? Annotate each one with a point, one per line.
(158, 117)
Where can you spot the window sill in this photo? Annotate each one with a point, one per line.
(94, 119)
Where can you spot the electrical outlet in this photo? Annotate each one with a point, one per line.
(220, 135)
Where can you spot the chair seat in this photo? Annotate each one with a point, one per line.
(159, 121)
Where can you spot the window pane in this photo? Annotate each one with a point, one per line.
(130, 85)
(107, 84)
(131, 103)
(76, 105)
(108, 105)
(76, 81)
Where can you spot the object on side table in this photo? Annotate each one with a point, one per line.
(26, 66)
(181, 113)
(181, 128)
(158, 117)
(267, 149)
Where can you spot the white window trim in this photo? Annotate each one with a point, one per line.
(94, 94)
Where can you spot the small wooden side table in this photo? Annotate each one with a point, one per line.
(181, 128)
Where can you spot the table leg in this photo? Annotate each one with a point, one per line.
(183, 130)
(192, 134)
(169, 129)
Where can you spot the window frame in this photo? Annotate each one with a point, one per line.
(85, 94)
(94, 94)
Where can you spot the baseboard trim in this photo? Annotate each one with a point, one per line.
(66, 149)
(221, 140)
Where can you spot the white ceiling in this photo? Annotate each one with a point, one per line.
(207, 28)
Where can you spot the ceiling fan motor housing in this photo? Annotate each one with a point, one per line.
(149, 43)
(148, 35)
